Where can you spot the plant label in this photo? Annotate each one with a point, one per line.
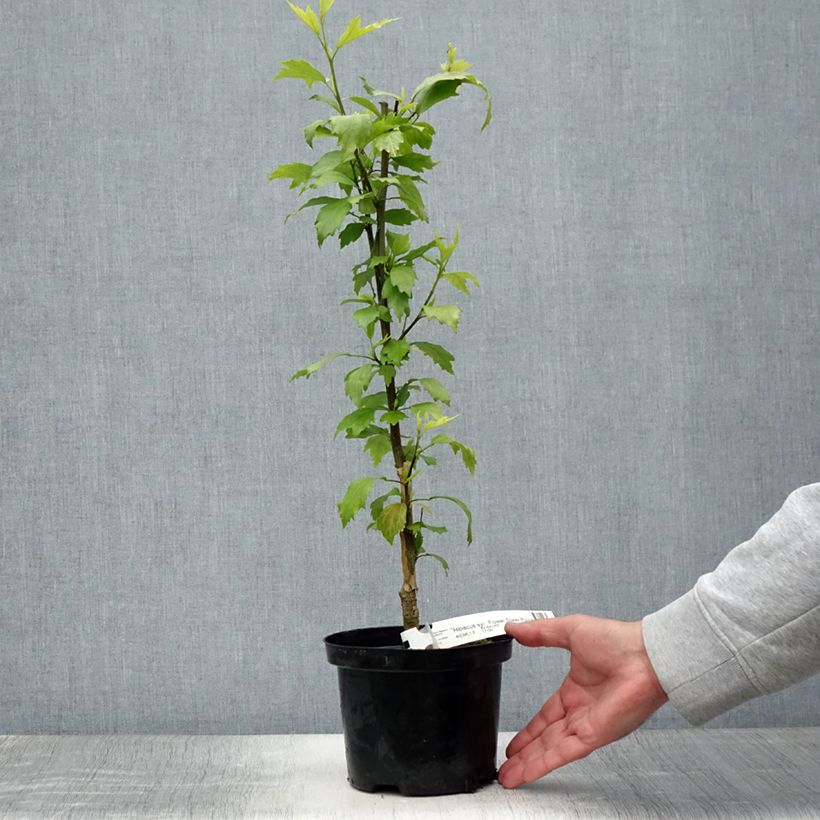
(467, 628)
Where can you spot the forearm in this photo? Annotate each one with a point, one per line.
(750, 627)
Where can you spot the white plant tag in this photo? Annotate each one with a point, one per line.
(467, 628)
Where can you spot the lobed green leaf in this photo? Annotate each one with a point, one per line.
(445, 314)
(358, 380)
(330, 217)
(403, 277)
(458, 279)
(378, 446)
(399, 216)
(391, 520)
(307, 16)
(356, 422)
(435, 389)
(354, 30)
(467, 454)
(350, 233)
(299, 172)
(395, 351)
(353, 131)
(443, 358)
(355, 498)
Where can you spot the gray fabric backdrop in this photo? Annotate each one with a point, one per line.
(639, 372)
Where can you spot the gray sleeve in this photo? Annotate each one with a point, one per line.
(750, 627)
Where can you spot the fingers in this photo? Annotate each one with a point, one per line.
(543, 632)
(535, 760)
(552, 711)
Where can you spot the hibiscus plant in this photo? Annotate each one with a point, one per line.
(378, 157)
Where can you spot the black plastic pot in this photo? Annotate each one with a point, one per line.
(422, 722)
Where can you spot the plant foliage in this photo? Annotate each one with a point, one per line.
(365, 190)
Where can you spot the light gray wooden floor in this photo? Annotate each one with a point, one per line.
(739, 773)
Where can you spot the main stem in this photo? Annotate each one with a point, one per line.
(407, 593)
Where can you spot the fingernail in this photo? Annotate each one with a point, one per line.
(509, 776)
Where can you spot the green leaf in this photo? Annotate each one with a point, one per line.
(439, 422)
(355, 498)
(411, 197)
(337, 177)
(367, 299)
(367, 317)
(436, 390)
(300, 70)
(358, 380)
(327, 100)
(312, 368)
(421, 134)
(377, 505)
(299, 172)
(403, 393)
(374, 92)
(443, 358)
(452, 63)
(388, 372)
(467, 454)
(438, 87)
(330, 217)
(354, 30)
(378, 447)
(361, 278)
(398, 243)
(331, 161)
(458, 279)
(438, 530)
(445, 250)
(464, 507)
(418, 251)
(390, 141)
(365, 103)
(353, 131)
(403, 277)
(377, 401)
(392, 417)
(398, 302)
(426, 408)
(324, 7)
(307, 16)
(317, 200)
(399, 216)
(391, 520)
(446, 314)
(318, 127)
(415, 161)
(356, 422)
(350, 233)
(435, 557)
(395, 351)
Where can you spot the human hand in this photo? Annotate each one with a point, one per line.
(611, 689)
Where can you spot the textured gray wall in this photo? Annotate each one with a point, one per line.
(639, 373)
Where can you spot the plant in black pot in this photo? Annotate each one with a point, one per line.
(422, 722)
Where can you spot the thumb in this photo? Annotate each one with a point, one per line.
(543, 632)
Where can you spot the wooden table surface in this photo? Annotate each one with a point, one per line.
(739, 773)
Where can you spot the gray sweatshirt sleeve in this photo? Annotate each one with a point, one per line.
(750, 627)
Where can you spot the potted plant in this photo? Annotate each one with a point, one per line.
(420, 722)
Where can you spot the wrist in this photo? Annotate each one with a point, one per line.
(645, 664)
